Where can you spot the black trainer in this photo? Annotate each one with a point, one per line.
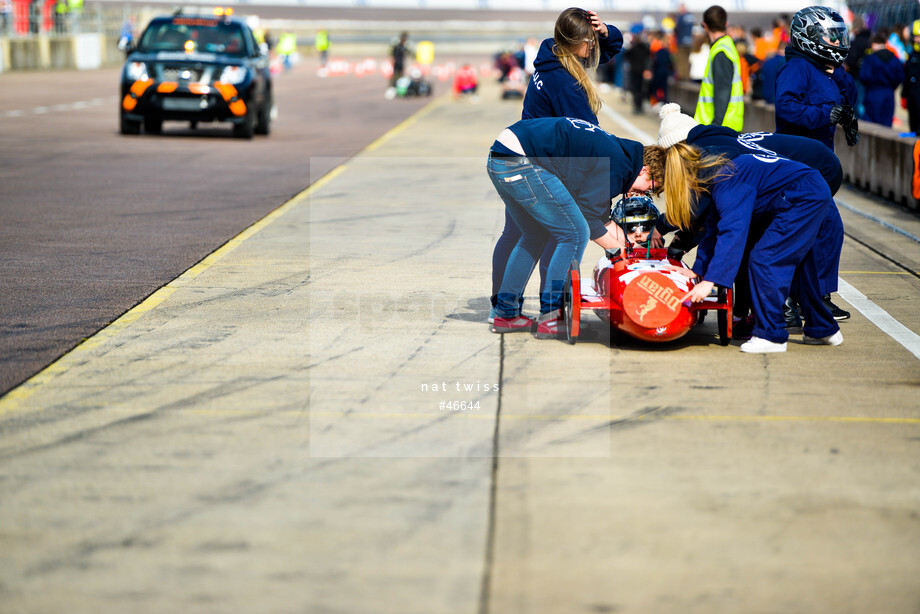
(793, 319)
(743, 328)
(837, 312)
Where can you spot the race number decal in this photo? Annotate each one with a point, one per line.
(652, 300)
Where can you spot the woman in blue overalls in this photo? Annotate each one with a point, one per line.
(719, 140)
(556, 177)
(780, 202)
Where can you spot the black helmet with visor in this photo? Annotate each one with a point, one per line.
(820, 33)
(635, 214)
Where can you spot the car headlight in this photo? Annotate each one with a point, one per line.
(234, 74)
(136, 71)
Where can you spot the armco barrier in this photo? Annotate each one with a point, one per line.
(882, 162)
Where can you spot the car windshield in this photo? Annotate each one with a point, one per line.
(191, 34)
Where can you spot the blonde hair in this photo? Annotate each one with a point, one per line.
(676, 172)
(572, 28)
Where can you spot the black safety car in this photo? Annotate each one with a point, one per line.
(196, 68)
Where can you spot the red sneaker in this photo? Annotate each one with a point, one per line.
(517, 324)
(550, 325)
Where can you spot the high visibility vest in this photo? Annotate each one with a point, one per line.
(287, 44)
(705, 107)
(322, 40)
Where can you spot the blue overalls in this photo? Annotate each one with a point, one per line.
(719, 140)
(782, 203)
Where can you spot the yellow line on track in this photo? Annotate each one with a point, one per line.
(874, 273)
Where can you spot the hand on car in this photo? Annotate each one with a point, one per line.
(699, 292)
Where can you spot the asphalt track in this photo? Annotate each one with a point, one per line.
(91, 221)
(280, 428)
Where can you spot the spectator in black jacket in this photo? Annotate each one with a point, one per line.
(662, 67)
(637, 55)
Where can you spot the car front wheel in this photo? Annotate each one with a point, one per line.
(153, 126)
(246, 128)
(129, 126)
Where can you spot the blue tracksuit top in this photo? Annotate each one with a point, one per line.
(805, 95)
(554, 92)
(594, 166)
(751, 195)
(768, 77)
(721, 140)
(881, 72)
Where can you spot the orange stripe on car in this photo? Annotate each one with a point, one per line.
(167, 87)
(139, 87)
(238, 108)
(227, 91)
(137, 90)
(230, 96)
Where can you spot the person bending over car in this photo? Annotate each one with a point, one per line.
(767, 208)
(557, 177)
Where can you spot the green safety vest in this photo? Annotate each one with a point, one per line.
(287, 44)
(322, 41)
(705, 107)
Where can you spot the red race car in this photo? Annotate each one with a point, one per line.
(637, 292)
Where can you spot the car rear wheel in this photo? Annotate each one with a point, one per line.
(246, 128)
(128, 126)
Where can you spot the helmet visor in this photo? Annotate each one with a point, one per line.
(639, 227)
(838, 37)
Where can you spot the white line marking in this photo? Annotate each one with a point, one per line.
(881, 318)
(641, 135)
(73, 106)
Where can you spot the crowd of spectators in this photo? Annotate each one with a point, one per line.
(882, 61)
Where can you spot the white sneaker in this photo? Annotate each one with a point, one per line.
(835, 339)
(757, 345)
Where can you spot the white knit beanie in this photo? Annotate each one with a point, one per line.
(675, 126)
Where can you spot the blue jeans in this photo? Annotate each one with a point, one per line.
(542, 209)
(503, 247)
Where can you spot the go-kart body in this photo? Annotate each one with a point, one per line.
(639, 294)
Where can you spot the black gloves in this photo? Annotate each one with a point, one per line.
(841, 114)
(844, 115)
(851, 131)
